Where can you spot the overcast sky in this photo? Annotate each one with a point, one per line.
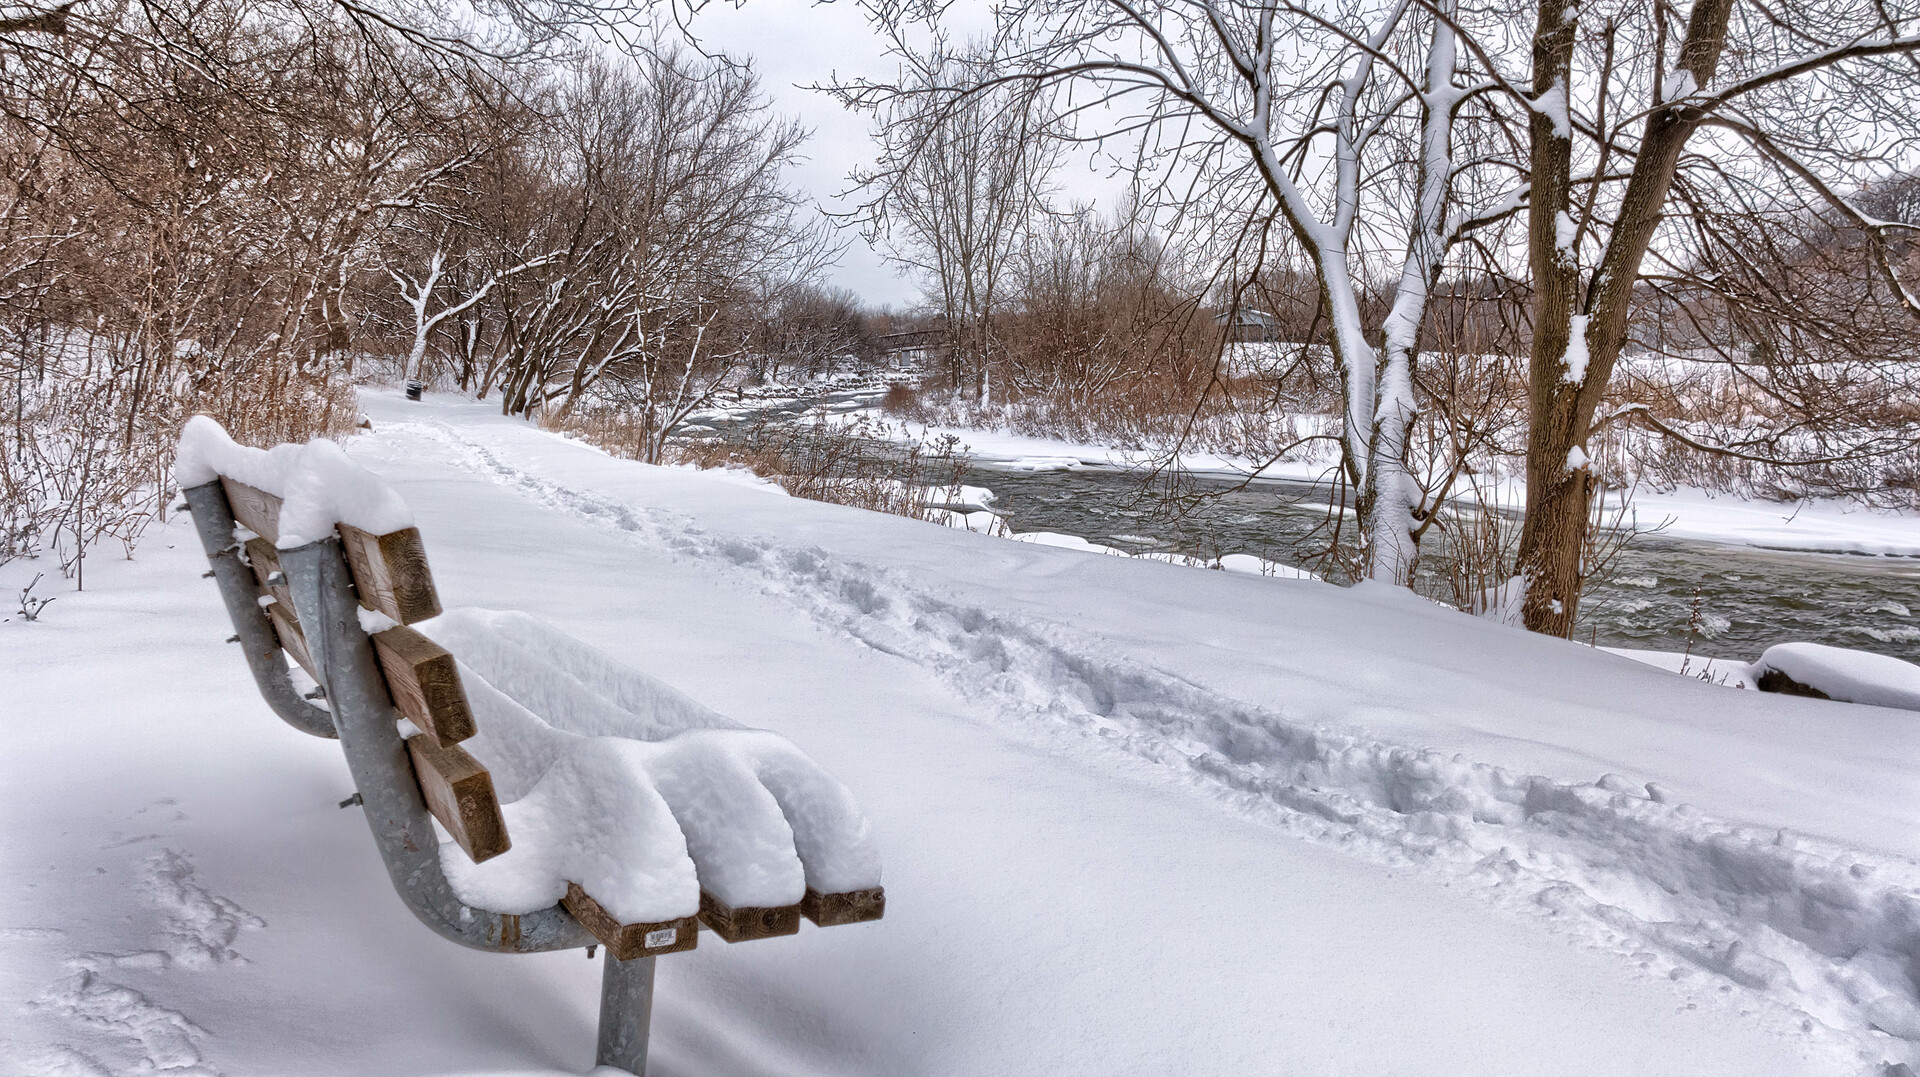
(795, 43)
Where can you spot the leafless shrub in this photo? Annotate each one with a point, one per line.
(861, 465)
(864, 464)
(1478, 560)
(30, 606)
(1481, 540)
(184, 195)
(714, 452)
(78, 468)
(903, 401)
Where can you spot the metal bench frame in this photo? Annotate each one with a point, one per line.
(361, 715)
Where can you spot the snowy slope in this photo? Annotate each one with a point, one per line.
(1136, 817)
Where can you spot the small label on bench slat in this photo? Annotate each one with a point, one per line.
(628, 941)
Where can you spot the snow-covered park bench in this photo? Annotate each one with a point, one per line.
(586, 804)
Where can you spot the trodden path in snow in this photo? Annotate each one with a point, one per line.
(1095, 865)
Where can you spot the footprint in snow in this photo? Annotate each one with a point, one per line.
(122, 1030)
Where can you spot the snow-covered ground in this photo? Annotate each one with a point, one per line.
(1135, 817)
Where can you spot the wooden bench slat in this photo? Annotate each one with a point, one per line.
(254, 509)
(459, 793)
(851, 907)
(292, 640)
(425, 684)
(265, 561)
(748, 922)
(390, 573)
(264, 556)
(628, 941)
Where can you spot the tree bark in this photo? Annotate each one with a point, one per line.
(1552, 527)
(1563, 396)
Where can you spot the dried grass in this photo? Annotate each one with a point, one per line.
(863, 464)
(77, 471)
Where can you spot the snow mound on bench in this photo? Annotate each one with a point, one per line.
(597, 820)
(644, 797)
(317, 484)
(1846, 675)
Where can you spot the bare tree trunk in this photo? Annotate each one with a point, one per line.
(1550, 537)
(1386, 501)
(1574, 353)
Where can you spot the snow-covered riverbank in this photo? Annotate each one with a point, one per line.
(1807, 527)
(1136, 818)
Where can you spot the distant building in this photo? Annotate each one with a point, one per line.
(1248, 326)
(915, 347)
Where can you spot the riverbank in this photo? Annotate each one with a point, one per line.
(1828, 527)
(1723, 579)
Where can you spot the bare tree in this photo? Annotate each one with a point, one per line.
(1341, 126)
(417, 292)
(210, 204)
(197, 194)
(669, 212)
(961, 181)
(32, 19)
(1757, 107)
(806, 327)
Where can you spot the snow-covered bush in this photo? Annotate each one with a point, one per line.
(185, 204)
(89, 452)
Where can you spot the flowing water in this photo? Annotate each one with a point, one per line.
(1748, 599)
(1721, 601)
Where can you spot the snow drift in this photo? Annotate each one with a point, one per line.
(1129, 746)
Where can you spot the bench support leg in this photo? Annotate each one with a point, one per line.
(626, 1012)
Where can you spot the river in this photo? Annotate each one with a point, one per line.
(1748, 598)
(1660, 593)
